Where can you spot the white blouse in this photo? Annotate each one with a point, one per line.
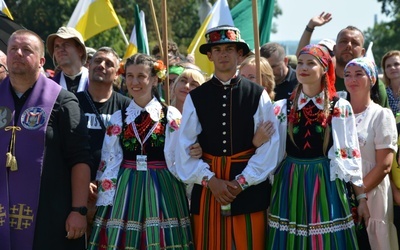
(259, 166)
(112, 155)
(344, 154)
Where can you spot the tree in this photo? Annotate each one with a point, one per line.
(385, 35)
(45, 17)
(390, 6)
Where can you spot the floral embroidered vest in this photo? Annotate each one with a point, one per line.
(308, 131)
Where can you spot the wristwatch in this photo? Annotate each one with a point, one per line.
(81, 210)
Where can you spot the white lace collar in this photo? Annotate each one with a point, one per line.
(318, 100)
(154, 108)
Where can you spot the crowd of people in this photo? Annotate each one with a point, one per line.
(306, 158)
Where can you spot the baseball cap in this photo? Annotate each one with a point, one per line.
(329, 44)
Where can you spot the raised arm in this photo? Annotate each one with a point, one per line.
(319, 20)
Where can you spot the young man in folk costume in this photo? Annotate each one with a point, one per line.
(222, 116)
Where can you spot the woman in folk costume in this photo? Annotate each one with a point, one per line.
(309, 206)
(377, 136)
(141, 205)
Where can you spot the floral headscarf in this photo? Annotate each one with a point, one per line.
(321, 53)
(367, 65)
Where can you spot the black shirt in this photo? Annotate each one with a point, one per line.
(284, 89)
(105, 110)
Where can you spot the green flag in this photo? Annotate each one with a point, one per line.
(138, 41)
(243, 18)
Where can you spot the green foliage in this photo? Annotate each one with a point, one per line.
(385, 35)
(390, 7)
(46, 16)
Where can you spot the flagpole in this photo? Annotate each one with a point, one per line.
(165, 44)
(256, 41)
(153, 14)
(123, 34)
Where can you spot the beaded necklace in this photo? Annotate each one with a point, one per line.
(143, 125)
(310, 116)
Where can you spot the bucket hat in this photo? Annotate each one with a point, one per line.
(66, 33)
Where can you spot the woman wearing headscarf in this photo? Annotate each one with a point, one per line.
(377, 136)
(309, 206)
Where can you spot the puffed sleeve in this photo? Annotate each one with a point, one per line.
(345, 153)
(386, 131)
(190, 170)
(171, 137)
(280, 110)
(111, 158)
(265, 159)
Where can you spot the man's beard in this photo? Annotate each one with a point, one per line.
(342, 62)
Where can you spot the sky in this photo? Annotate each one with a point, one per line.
(296, 15)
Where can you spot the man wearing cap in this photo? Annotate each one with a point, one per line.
(230, 196)
(67, 49)
(44, 155)
(285, 76)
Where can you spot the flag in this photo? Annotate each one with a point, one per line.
(242, 15)
(138, 41)
(92, 17)
(369, 52)
(219, 15)
(4, 9)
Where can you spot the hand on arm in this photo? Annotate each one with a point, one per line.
(263, 134)
(195, 151)
(319, 20)
(235, 191)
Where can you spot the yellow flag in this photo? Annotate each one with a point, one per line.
(4, 9)
(219, 15)
(92, 17)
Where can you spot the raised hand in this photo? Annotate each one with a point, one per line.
(320, 20)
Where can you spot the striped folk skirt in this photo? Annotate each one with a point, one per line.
(150, 212)
(307, 210)
(212, 231)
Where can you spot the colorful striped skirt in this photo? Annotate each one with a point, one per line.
(150, 211)
(308, 211)
(212, 231)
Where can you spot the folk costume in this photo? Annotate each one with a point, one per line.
(42, 137)
(376, 129)
(141, 206)
(222, 117)
(309, 203)
(98, 116)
